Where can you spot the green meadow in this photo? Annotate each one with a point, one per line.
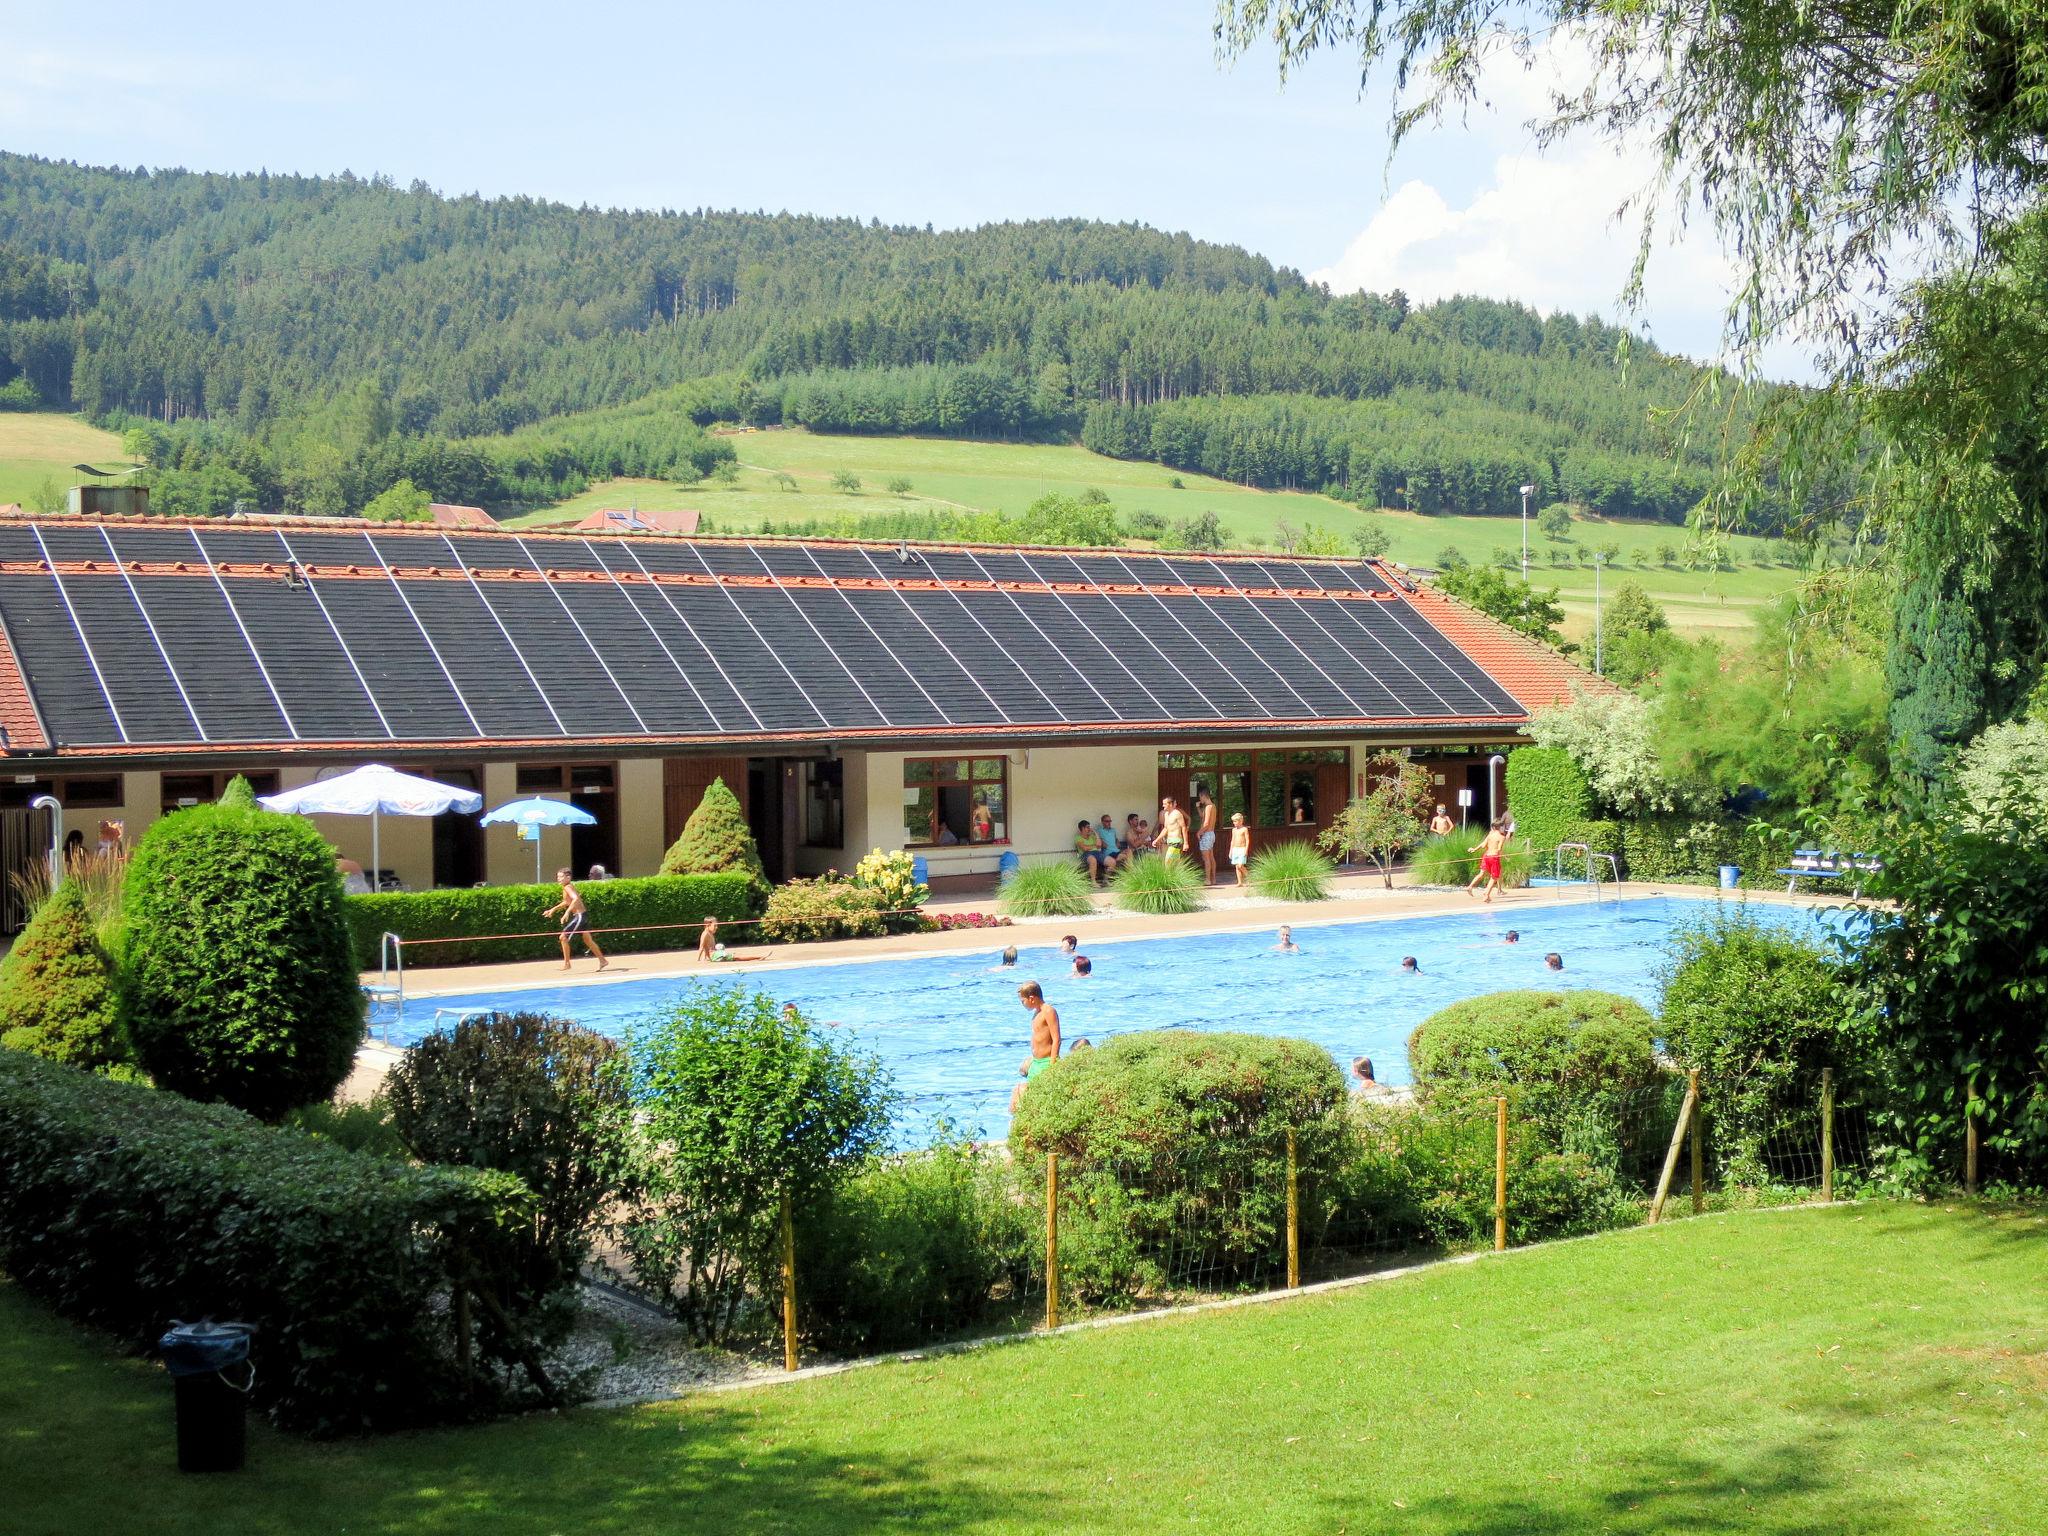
(39, 445)
(948, 473)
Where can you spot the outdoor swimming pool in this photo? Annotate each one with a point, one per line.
(951, 1031)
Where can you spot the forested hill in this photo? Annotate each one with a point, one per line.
(256, 302)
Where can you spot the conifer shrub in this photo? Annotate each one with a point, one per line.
(57, 988)
(237, 976)
(239, 792)
(716, 840)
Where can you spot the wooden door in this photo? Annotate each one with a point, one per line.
(683, 782)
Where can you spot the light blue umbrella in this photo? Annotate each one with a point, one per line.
(538, 813)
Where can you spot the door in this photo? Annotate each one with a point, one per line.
(771, 805)
(1479, 779)
(458, 835)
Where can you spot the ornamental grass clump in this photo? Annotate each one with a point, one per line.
(1047, 890)
(1452, 859)
(1292, 872)
(1158, 887)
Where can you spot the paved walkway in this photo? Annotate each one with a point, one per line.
(1357, 898)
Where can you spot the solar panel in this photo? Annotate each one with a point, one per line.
(157, 634)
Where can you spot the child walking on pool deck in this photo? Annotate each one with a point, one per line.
(575, 919)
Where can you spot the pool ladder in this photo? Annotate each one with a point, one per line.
(388, 990)
(1592, 862)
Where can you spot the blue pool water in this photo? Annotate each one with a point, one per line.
(951, 1031)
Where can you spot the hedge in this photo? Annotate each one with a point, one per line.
(1548, 796)
(466, 916)
(1688, 849)
(129, 1206)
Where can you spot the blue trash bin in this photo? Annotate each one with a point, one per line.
(919, 870)
(211, 1378)
(1006, 866)
(1731, 877)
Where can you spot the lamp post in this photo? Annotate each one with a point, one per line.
(49, 803)
(1599, 652)
(1527, 492)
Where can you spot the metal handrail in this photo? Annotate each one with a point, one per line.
(1585, 852)
(390, 987)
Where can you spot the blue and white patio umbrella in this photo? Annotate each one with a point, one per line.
(537, 813)
(373, 790)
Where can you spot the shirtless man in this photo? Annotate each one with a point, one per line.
(1489, 859)
(575, 918)
(1173, 829)
(1205, 838)
(1045, 1037)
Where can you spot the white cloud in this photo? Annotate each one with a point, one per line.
(1552, 228)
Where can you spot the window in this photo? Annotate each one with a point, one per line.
(578, 778)
(1273, 787)
(950, 800)
(185, 789)
(102, 794)
(824, 804)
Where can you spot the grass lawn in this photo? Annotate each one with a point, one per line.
(36, 444)
(1875, 1368)
(945, 472)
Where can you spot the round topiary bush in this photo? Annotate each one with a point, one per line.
(716, 839)
(1562, 1056)
(1173, 1148)
(57, 988)
(238, 981)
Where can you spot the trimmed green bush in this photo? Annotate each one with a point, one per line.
(919, 1247)
(1176, 1141)
(1157, 886)
(671, 906)
(239, 792)
(739, 1106)
(716, 840)
(1292, 872)
(809, 911)
(1566, 1058)
(1058, 889)
(1759, 1012)
(126, 1207)
(1548, 796)
(543, 1100)
(57, 988)
(237, 977)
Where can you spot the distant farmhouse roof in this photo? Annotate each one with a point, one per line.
(612, 520)
(447, 515)
(181, 638)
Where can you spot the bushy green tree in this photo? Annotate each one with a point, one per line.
(404, 502)
(1635, 635)
(1613, 739)
(1555, 521)
(716, 839)
(740, 1106)
(1532, 611)
(57, 987)
(2002, 773)
(539, 1098)
(1371, 538)
(1936, 666)
(1758, 1012)
(238, 978)
(1388, 817)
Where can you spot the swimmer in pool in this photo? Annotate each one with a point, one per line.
(1512, 938)
(1009, 958)
(1554, 961)
(1409, 967)
(1083, 966)
(1068, 944)
(1287, 946)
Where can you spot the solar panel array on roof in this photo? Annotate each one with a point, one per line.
(171, 635)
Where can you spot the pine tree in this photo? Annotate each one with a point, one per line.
(240, 792)
(1937, 674)
(717, 840)
(57, 988)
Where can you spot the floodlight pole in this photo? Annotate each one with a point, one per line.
(1599, 653)
(1527, 492)
(56, 835)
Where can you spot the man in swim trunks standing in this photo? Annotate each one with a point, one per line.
(1173, 828)
(1205, 839)
(575, 919)
(1045, 1037)
(1489, 859)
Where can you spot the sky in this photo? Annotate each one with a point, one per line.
(909, 112)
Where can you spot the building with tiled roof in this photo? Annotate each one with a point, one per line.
(961, 701)
(445, 514)
(613, 520)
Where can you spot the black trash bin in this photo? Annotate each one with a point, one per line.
(211, 1378)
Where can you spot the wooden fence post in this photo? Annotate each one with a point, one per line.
(1699, 1151)
(788, 1286)
(1293, 1213)
(1970, 1143)
(1827, 1133)
(1500, 1174)
(1052, 1239)
(1685, 1114)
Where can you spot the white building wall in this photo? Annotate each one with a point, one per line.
(639, 797)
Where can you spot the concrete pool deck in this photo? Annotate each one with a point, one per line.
(1357, 898)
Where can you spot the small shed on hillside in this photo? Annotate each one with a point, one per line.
(612, 520)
